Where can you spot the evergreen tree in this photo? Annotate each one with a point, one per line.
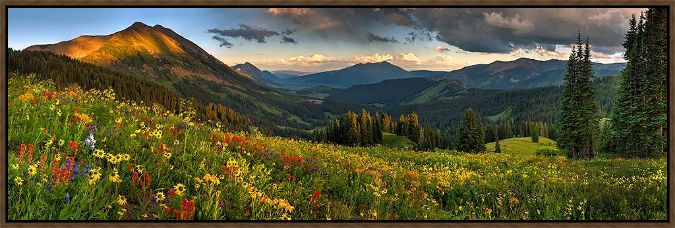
(535, 133)
(498, 148)
(639, 118)
(470, 134)
(578, 118)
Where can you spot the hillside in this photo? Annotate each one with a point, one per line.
(385, 93)
(149, 164)
(521, 73)
(158, 54)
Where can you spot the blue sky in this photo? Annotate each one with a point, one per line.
(326, 39)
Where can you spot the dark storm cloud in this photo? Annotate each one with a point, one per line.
(250, 33)
(502, 30)
(342, 23)
(499, 30)
(223, 41)
(375, 38)
(246, 32)
(288, 31)
(286, 39)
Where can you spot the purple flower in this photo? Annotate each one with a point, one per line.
(67, 198)
(91, 128)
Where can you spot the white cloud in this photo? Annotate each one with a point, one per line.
(311, 59)
(607, 58)
(377, 57)
(407, 57)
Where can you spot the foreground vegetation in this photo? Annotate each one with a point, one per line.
(77, 154)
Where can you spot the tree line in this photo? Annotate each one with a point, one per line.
(637, 127)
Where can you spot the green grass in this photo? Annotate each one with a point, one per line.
(521, 146)
(505, 115)
(396, 141)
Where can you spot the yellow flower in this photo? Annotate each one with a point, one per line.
(132, 135)
(99, 153)
(26, 96)
(18, 181)
(94, 175)
(61, 142)
(32, 170)
(115, 177)
(121, 200)
(159, 196)
(125, 157)
(179, 189)
(167, 155)
(211, 178)
(15, 166)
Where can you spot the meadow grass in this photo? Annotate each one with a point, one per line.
(522, 145)
(85, 155)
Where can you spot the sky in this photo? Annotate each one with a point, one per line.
(320, 39)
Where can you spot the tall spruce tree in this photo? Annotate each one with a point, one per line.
(535, 133)
(470, 134)
(639, 118)
(498, 148)
(578, 116)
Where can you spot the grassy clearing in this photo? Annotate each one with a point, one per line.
(396, 141)
(521, 146)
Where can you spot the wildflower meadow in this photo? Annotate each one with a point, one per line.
(86, 155)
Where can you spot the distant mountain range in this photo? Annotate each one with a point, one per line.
(520, 73)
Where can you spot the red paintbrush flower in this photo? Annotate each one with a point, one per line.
(316, 194)
(22, 152)
(30, 152)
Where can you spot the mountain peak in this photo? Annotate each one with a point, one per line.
(138, 24)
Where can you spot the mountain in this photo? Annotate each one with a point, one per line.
(384, 93)
(262, 76)
(520, 73)
(160, 55)
(362, 73)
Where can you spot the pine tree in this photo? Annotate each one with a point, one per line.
(638, 125)
(470, 134)
(535, 133)
(498, 148)
(578, 118)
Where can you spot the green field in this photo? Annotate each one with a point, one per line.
(521, 146)
(396, 141)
